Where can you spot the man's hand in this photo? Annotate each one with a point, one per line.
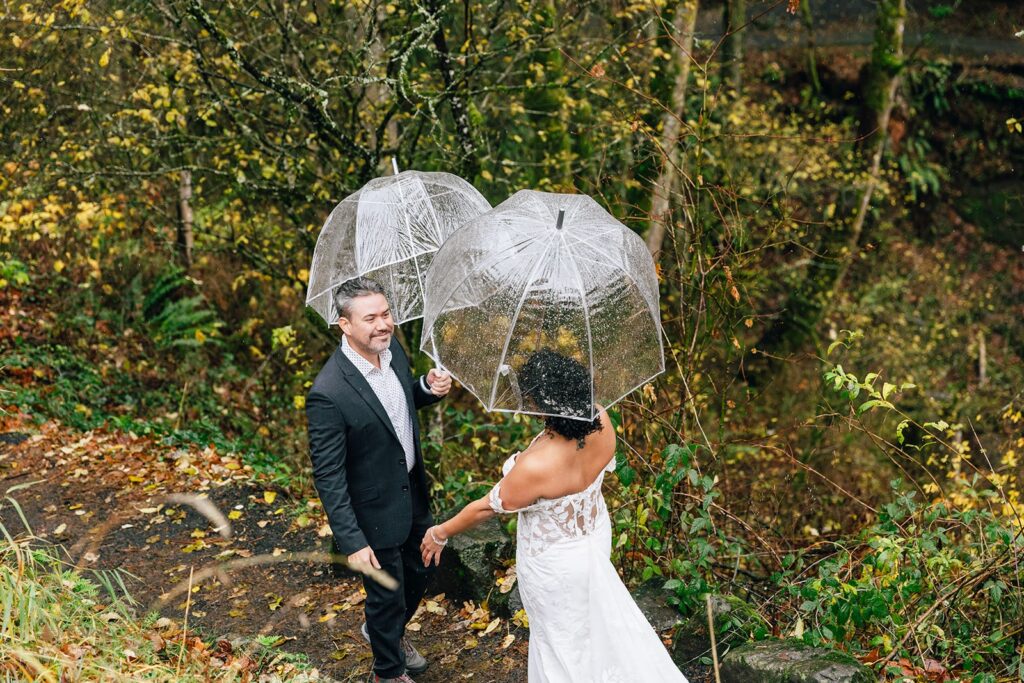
(363, 558)
(440, 383)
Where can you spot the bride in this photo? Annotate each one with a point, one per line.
(584, 625)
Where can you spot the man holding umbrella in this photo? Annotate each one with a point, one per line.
(368, 466)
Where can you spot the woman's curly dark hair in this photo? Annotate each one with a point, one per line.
(558, 384)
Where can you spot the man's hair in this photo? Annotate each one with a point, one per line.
(353, 289)
(558, 385)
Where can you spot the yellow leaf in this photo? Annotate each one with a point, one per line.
(486, 175)
(311, 18)
(269, 496)
(235, 514)
(491, 626)
(58, 265)
(200, 337)
(16, 40)
(105, 59)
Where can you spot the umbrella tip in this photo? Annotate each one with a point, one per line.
(394, 164)
(561, 218)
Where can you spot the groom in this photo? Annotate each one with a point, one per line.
(368, 468)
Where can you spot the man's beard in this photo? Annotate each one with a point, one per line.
(379, 343)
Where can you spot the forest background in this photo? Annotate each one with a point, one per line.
(832, 191)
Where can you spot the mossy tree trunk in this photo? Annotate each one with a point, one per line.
(469, 164)
(880, 86)
(734, 20)
(810, 47)
(798, 322)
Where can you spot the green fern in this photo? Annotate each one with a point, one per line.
(177, 321)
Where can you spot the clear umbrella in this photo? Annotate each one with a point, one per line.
(543, 271)
(388, 231)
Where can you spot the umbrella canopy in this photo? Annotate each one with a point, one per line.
(544, 271)
(388, 231)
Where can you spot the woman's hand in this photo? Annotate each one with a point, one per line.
(433, 543)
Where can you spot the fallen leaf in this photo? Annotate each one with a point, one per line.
(269, 497)
(491, 626)
(60, 529)
(507, 640)
(158, 641)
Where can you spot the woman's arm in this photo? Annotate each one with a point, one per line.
(520, 487)
(472, 515)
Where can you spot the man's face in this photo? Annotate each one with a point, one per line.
(369, 326)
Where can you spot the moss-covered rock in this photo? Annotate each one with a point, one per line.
(791, 661)
(469, 562)
(735, 623)
(652, 600)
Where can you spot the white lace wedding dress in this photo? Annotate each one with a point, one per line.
(584, 625)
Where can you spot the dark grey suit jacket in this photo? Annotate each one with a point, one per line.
(359, 466)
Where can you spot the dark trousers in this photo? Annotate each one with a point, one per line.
(387, 612)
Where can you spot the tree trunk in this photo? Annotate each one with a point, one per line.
(734, 19)
(683, 23)
(546, 104)
(810, 47)
(799, 321)
(185, 218)
(879, 94)
(469, 165)
(376, 93)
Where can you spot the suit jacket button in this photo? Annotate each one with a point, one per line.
(402, 461)
(405, 488)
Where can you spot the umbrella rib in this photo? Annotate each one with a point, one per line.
(492, 259)
(512, 323)
(586, 320)
(625, 271)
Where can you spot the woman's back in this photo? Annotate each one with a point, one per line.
(562, 466)
(568, 504)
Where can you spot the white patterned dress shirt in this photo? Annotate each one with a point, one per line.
(389, 391)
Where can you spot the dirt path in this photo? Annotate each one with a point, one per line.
(98, 494)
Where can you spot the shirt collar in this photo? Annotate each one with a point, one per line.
(364, 366)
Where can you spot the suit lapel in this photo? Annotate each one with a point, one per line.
(364, 390)
(398, 356)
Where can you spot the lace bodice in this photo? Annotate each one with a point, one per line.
(547, 521)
